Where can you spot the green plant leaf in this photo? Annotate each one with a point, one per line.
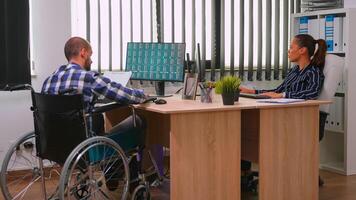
(228, 84)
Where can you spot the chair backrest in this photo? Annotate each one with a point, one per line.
(334, 66)
(59, 125)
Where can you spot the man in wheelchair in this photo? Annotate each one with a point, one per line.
(66, 139)
(76, 78)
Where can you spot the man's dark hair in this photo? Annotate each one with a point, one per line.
(74, 45)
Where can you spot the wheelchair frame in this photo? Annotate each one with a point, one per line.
(141, 191)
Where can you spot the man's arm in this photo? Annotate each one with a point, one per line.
(116, 91)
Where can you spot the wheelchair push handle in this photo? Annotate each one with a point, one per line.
(20, 87)
(67, 91)
(107, 107)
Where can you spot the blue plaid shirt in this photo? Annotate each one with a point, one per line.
(301, 84)
(86, 83)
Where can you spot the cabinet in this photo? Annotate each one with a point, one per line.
(337, 27)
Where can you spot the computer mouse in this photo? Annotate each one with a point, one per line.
(160, 101)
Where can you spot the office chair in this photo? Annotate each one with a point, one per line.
(333, 69)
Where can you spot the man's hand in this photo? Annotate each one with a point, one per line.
(273, 95)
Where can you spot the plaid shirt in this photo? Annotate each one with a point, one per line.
(86, 83)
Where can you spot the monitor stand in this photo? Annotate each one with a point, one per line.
(159, 87)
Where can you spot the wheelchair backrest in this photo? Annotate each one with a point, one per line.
(59, 125)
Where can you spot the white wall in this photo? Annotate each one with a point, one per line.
(349, 3)
(51, 28)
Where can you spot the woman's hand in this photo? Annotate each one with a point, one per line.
(273, 95)
(246, 90)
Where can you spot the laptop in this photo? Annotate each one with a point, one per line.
(118, 77)
(254, 96)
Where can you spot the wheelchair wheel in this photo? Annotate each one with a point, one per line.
(141, 193)
(20, 175)
(96, 169)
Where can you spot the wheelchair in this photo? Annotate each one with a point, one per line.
(64, 153)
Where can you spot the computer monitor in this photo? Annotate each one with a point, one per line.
(156, 62)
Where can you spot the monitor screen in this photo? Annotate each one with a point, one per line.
(155, 61)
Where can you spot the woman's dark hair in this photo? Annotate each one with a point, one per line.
(307, 41)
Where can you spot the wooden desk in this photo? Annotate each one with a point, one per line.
(285, 142)
(205, 146)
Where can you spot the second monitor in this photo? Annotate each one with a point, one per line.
(156, 62)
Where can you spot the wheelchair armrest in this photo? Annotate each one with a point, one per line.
(104, 107)
(110, 106)
(107, 107)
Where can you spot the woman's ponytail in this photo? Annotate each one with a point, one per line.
(316, 49)
(319, 56)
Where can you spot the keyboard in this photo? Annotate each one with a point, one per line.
(254, 96)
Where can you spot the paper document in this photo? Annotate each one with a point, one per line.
(119, 77)
(281, 100)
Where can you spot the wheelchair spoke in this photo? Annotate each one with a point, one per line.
(106, 168)
(20, 179)
(80, 181)
(100, 160)
(21, 175)
(55, 193)
(80, 167)
(101, 194)
(22, 193)
(111, 178)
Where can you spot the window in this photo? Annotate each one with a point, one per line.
(113, 23)
(118, 12)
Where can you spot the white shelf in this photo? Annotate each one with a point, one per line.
(334, 131)
(323, 12)
(339, 150)
(336, 52)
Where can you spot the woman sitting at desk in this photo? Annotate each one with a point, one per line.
(304, 81)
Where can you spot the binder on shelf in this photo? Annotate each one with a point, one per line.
(344, 33)
(303, 25)
(329, 32)
(338, 34)
(313, 28)
(331, 116)
(322, 28)
(339, 113)
(327, 123)
(340, 88)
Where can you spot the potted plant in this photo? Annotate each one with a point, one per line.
(228, 87)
